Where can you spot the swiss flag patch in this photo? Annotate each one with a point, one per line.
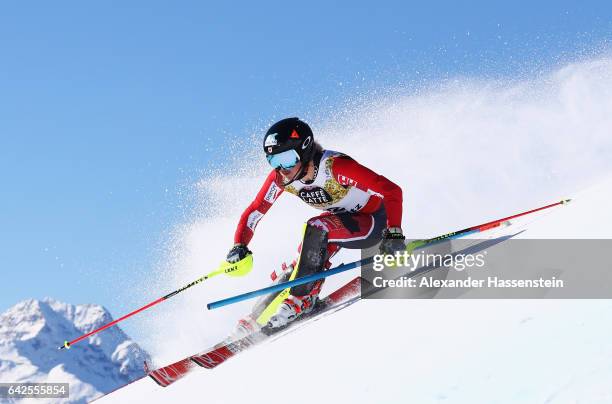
(344, 180)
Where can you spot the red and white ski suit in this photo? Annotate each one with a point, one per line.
(359, 203)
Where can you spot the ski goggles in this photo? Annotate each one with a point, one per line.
(287, 159)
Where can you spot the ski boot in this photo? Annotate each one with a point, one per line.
(295, 306)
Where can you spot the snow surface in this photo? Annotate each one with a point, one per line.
(466, 152)
(31, 331)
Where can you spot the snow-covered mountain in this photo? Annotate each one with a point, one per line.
(31, 331)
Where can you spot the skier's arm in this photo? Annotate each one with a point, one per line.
(269, 192)
(348, 171)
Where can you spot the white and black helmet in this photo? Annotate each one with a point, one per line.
(289, 134)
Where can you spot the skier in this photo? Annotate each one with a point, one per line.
(362, 210)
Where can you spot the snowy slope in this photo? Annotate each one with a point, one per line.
(31, 330)
(431, 351)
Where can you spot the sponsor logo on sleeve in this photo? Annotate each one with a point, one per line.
(272, 193)
(253, 219)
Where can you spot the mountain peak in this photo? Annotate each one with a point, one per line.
(31, 331)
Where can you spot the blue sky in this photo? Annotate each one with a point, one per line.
(108, 110)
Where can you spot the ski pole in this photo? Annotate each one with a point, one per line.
(289, 284)
(490, 225)
(238, 269)
(345, 267)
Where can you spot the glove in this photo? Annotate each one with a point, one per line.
(393, 241)
(237, 253)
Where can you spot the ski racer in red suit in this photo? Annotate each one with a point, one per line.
(362, 208)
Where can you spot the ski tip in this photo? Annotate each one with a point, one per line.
(566, 201)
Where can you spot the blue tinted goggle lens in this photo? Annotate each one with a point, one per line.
(287, 159)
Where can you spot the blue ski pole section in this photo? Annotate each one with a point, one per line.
(289, 284)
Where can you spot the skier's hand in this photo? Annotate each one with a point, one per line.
(237, 253)
(393, 241)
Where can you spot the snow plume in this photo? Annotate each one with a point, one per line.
(473, 149)
(464, 151)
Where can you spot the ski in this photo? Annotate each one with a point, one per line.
(225, 351)
(169, 374)
(213, 357)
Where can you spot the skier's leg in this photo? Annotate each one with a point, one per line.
(326, 234)
(323, 237)
(359, 230)
(313, 254)
(311, 257)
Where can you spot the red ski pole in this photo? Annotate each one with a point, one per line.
(238, 269)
